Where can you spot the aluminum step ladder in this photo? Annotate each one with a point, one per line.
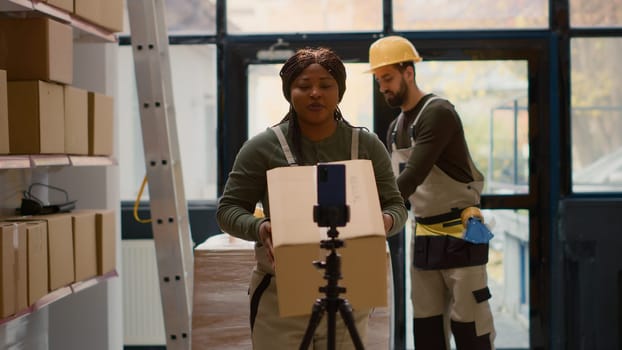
(169, 211)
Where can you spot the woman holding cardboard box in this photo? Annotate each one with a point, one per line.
(313, 131)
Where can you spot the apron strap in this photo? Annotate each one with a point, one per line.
(354, 153)
(412, 126)
(285, 146)
(399, 120)
(291, 160)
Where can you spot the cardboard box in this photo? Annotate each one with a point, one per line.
(8, 260)
(89, 10)
(36, 117)
(21, 284)
(66, 5)
(60, 249)
(4, 114)
(84, 245)
(36, 49)
(105, 13)
(105, 231)
(37, 261)
(112, 15)
(76, 121)
(296, 239)
(13, 268)
(101, 112)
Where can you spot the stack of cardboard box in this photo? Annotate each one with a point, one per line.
(40, 111)
(40, 254)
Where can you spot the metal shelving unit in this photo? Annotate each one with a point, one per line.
(74, 302)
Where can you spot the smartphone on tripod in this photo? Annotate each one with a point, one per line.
(331, 209)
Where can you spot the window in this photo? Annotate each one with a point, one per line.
(300, 16)
(490, 97)
(470, 14)
(186, 17)
(195, 110)
(596, 114)
(596, 13)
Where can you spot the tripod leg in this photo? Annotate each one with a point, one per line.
(348, 318)
(316, 316)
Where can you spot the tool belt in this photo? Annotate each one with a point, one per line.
(437, 219)
(454, 214)
(438, 243)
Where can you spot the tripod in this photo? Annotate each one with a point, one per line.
(331, 302)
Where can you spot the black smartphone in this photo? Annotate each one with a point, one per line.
(331, 209)
(331, 184)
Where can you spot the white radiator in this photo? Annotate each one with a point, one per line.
(143, 322)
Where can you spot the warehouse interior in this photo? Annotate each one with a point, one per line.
(535, 82)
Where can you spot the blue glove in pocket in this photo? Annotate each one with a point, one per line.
(476, 232)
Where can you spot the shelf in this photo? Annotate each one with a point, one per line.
(14, 162)
(40, 160)
(84, 28)
(45, 160)
(91, 161)
(59, 294)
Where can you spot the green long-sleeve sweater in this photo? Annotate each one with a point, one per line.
(247, 184)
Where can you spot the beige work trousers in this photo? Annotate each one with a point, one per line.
(272, 332)
(449, 292)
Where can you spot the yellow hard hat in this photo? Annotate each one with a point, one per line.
(390, 50)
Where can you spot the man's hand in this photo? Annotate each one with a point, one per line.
(265, 235)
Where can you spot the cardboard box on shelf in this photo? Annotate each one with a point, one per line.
(84, 244)
(60, 249)
(36, 117)
(21, 284)
(36, 48)
(4, 114)
(37, 260)
(101, 110)
(89, 10)
(13, 268)
(112, 15)
(296, 239)
(8, 260)
(105, 13)
(105, 225)
(76, 121)
(66, 5)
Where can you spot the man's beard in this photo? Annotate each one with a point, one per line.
(398, 98)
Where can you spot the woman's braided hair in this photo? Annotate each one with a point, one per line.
(293, 67)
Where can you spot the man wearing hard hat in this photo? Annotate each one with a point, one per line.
(436, 175)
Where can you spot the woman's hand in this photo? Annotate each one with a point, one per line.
(388, 222)
(265, 235)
